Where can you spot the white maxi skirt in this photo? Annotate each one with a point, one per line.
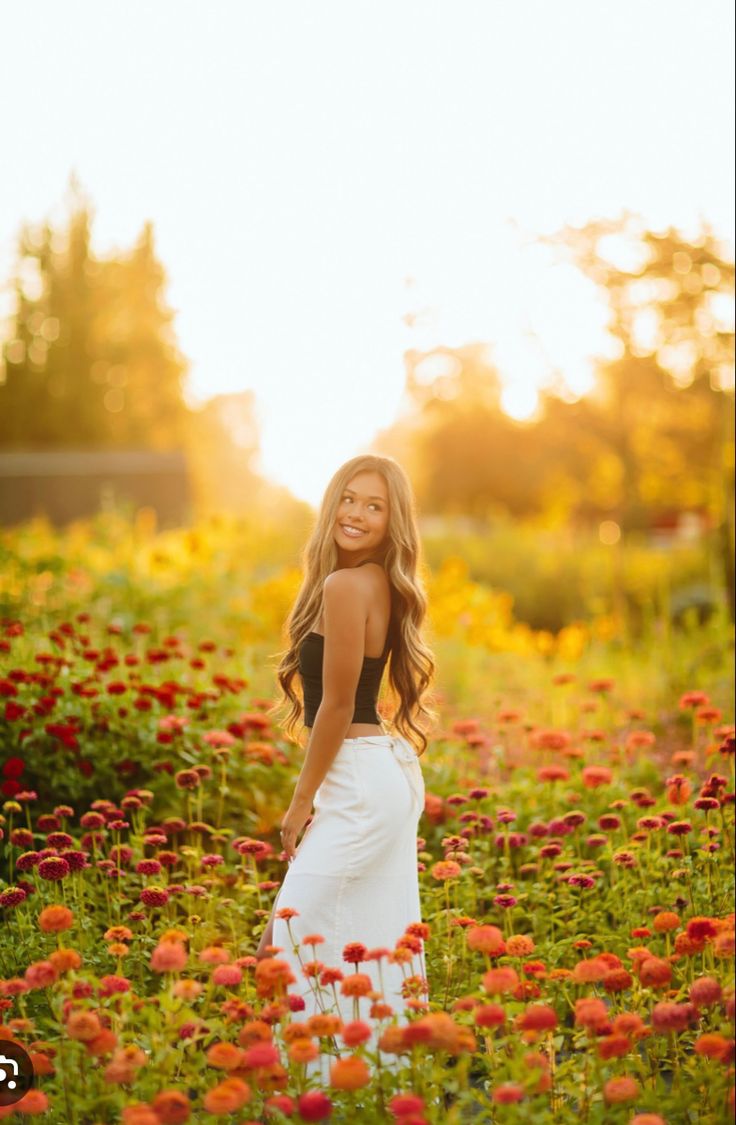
(354, 877)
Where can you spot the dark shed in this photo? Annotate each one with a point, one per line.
(68, 484)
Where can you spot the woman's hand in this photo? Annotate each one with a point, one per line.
(293, 822)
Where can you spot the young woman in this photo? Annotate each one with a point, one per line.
(353, 877)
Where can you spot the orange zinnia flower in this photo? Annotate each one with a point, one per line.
(617, 980)
(303, 1050)
(553, 773)
(172, 1107)
(224, 1056)
(187, 989)
(254, 1031)
(593, 969)
(168, 957)
(83, 1026)
(497, 981)
(519, 945)
(295, 1030)
(41, 974)
(392, 1041)
(489, 1015)
(102, 1044)
(590, 1012)
(139, 1114)
(723, 944)
(486, 939)
(628, 1023)
(655, 972)
(357, 984)
(323, 1024)
(713, 1046)
(445, 869)
(271, 972)
(32, 1102)
(55, 919)
(679, 790)
(685, 947)
(613, 1046)
(355, 1032)
(666, 920)
(351, 1073)
(65, 959)
(228, 1097)
(595, 776)
(621, 1089)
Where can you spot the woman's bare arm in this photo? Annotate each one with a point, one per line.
(346, 603)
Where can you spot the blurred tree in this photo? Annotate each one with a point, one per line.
(654, 437)
(465, 455)
(661, 414)
(92, 360)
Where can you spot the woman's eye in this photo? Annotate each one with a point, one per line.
(377, 507)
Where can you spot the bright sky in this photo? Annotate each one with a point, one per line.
(302, 161)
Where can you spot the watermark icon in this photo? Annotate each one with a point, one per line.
(16, 1072)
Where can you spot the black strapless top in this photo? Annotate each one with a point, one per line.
(311, 654)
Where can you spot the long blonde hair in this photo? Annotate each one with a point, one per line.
(411, 663)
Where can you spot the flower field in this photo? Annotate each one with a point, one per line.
(574, 960)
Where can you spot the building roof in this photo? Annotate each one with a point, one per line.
(85, 462)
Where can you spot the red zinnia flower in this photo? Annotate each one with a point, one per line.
(53, 868)
(314, 1106)
(539, 1017)
(508, 1093)
(701, 928)
(667, 1016)
(705, 991)
(403, 1105)
(354, 952)
(655, 972)
(693, 699)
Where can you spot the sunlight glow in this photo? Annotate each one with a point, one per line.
(519, 400)
(315, 223)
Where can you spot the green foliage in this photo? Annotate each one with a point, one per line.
(92, 361)
(560, 575)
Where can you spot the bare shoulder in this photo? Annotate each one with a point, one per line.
(345, 586)
(350, 579)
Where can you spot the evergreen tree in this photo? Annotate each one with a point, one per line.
(92, 361)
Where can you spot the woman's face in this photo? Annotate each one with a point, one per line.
(362, 518)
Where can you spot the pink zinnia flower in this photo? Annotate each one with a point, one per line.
(260, 1055)
(228, 975)
(168, 957)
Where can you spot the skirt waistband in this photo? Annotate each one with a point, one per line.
(399, 746)
(374, 739)
(401, 750)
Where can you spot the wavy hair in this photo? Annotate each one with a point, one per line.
(411, 662)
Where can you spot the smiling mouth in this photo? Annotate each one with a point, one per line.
(353, 532)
